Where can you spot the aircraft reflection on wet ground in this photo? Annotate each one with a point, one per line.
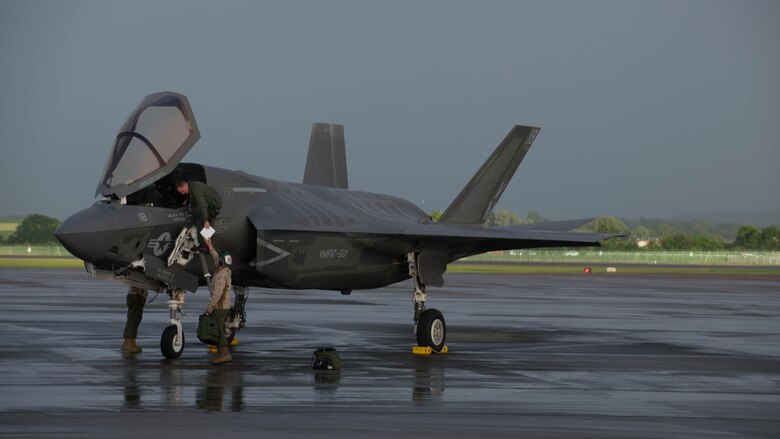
(224, 388)
(560, 356)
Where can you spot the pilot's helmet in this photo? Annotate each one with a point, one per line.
(226, 259)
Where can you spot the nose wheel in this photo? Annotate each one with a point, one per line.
(171, 343)
(172, 340)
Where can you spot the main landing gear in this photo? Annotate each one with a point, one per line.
(429, 324)
(237, 318)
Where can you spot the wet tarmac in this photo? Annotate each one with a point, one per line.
(530, 356)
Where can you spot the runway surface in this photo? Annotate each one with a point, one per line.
(530, 356)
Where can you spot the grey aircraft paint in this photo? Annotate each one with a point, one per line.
(316, 235)
(326, 164)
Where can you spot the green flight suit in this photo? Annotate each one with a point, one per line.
(136, 299)
(205, 202)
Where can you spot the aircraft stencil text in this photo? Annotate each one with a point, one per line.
(334, 253)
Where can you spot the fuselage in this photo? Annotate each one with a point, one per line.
(281, 234)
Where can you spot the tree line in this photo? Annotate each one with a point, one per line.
(656, 234)
(34, 229)
(667, 237)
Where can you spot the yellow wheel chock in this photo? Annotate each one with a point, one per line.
(426, 350)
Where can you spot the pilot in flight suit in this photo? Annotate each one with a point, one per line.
(204, 199)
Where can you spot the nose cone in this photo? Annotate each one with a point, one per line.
(90, 233)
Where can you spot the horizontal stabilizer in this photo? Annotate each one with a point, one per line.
(326, 164)
(475, 202)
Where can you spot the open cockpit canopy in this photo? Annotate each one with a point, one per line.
(153, 140)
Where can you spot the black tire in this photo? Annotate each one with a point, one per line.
(431, 330)
(169, 343)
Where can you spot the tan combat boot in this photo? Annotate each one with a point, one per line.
(130, 347)
(223, 356)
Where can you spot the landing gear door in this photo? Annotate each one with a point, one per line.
(153, 140)
(173, 276)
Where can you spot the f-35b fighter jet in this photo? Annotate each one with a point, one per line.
(312, 235)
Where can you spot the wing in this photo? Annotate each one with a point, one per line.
(443, 244)
(466, 241)
(440, 244)
(456, 241)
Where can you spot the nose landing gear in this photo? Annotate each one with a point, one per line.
(172, 340)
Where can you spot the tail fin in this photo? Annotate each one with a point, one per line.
(326, 164)
(475, 202)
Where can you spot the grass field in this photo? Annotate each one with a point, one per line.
(596, 256)
(619, 269)
(7, 228)
(23, 262)
(465, 268)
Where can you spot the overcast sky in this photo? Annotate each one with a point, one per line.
(647, 108)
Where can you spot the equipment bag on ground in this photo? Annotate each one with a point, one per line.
(326, 358)
(208, 332)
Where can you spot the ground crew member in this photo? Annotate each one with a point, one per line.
(221, 300)
(204, 199)
(136, 299)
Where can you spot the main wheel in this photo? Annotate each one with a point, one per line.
(171, 344)
(431, 330)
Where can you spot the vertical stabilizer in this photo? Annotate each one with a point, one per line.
(326, 164)
(475, 202)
